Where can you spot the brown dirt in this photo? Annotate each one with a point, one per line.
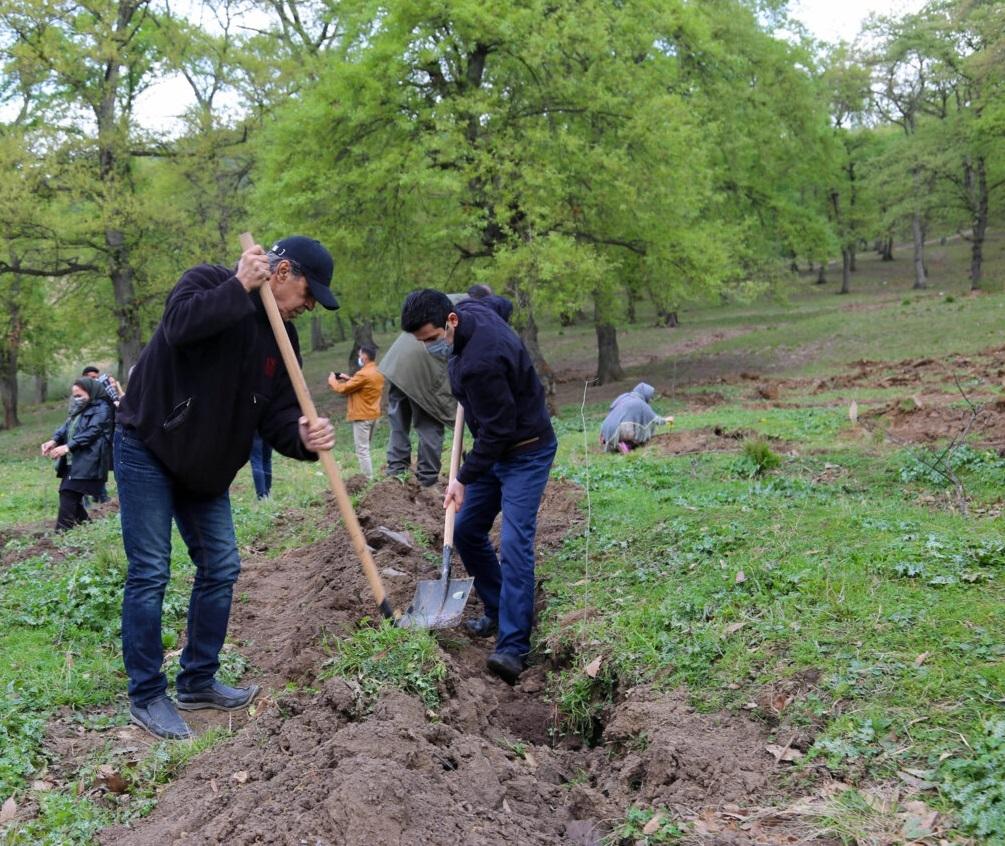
(489, 767)
(707, 439)
(922, 419)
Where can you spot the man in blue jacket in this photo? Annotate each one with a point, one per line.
(493, 377)
(210, 378)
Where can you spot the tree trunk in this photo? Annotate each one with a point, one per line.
(362, 333)
(523, 321)
(667, 318)
(847, 259)
(127, 310)
(631, 298)
(608, 358)
(9, 353)
(340, 326)
(887, 253)
(319, 343)
(853, 265)
(822, 273)
(918, 234)
(980, 225)
(42, 387)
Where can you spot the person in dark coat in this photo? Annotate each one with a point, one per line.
(210, 378)
(507, 467)
(82, 447)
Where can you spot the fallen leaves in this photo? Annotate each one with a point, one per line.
(112, 779)
(241, 777)
(8, 810)
(594, 667)
(654, 823)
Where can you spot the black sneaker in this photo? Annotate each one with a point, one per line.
(505, 665)
(484, 626)
(161, 719)
(218, 696)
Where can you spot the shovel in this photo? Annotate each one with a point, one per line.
(325, 456)
(439, 603)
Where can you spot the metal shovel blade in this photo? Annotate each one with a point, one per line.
(438, 603)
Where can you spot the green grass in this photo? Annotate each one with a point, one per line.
(721, 571)
(376, 657)
(730, 581)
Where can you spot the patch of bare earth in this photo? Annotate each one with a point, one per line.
(707, 439)
(488, 767)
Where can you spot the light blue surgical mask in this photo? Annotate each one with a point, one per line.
(440, 348)
(359, 362)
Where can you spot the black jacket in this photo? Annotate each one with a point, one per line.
(212, 376)
(493, 377)
(90, 445)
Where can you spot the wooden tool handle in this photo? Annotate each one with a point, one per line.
(455, 463)
(327, 459)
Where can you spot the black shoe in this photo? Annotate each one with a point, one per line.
(484, 626)
(160, 718)
(218, 696)
(505, 665)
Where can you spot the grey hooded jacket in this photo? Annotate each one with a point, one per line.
(632, 407)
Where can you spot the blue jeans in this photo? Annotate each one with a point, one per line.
(505, 582)
(261, 466)
(148, 501)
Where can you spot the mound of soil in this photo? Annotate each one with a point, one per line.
(924, 419)
(707, 439)
(315, 765)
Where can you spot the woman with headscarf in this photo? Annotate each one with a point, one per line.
(631, 420)
(82, 447)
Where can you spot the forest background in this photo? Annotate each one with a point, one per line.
(580, 157)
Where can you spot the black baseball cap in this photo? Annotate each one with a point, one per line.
(315, 263)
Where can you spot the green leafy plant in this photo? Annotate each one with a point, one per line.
(977, 785)
(387, 656)
(756, 459)
(645, 827)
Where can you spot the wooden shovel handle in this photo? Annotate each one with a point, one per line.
(455, 463)
(327, 459)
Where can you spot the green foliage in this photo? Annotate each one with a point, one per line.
(756, 459)
(632, 830)
(387, 656)
(63, 820)
(21, 732)
(976, 784)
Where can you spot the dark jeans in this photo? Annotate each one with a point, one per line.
(505, 582)
(148, 501)
(404, 414)
(71, 510)
(261, 466)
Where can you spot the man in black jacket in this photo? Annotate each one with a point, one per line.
(507, 468)
(210, 378)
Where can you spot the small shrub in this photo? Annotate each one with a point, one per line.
(756, 459)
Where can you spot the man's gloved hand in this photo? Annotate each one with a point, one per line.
(320, 436)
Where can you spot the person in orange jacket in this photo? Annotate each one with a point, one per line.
(363, 389)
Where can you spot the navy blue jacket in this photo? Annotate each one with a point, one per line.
(90, 445)
(493, 377)
(212, 376)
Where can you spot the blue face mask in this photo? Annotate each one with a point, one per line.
(359, 362)
(440, 349)
(76, 404)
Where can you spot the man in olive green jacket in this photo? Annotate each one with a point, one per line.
(418, 397)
